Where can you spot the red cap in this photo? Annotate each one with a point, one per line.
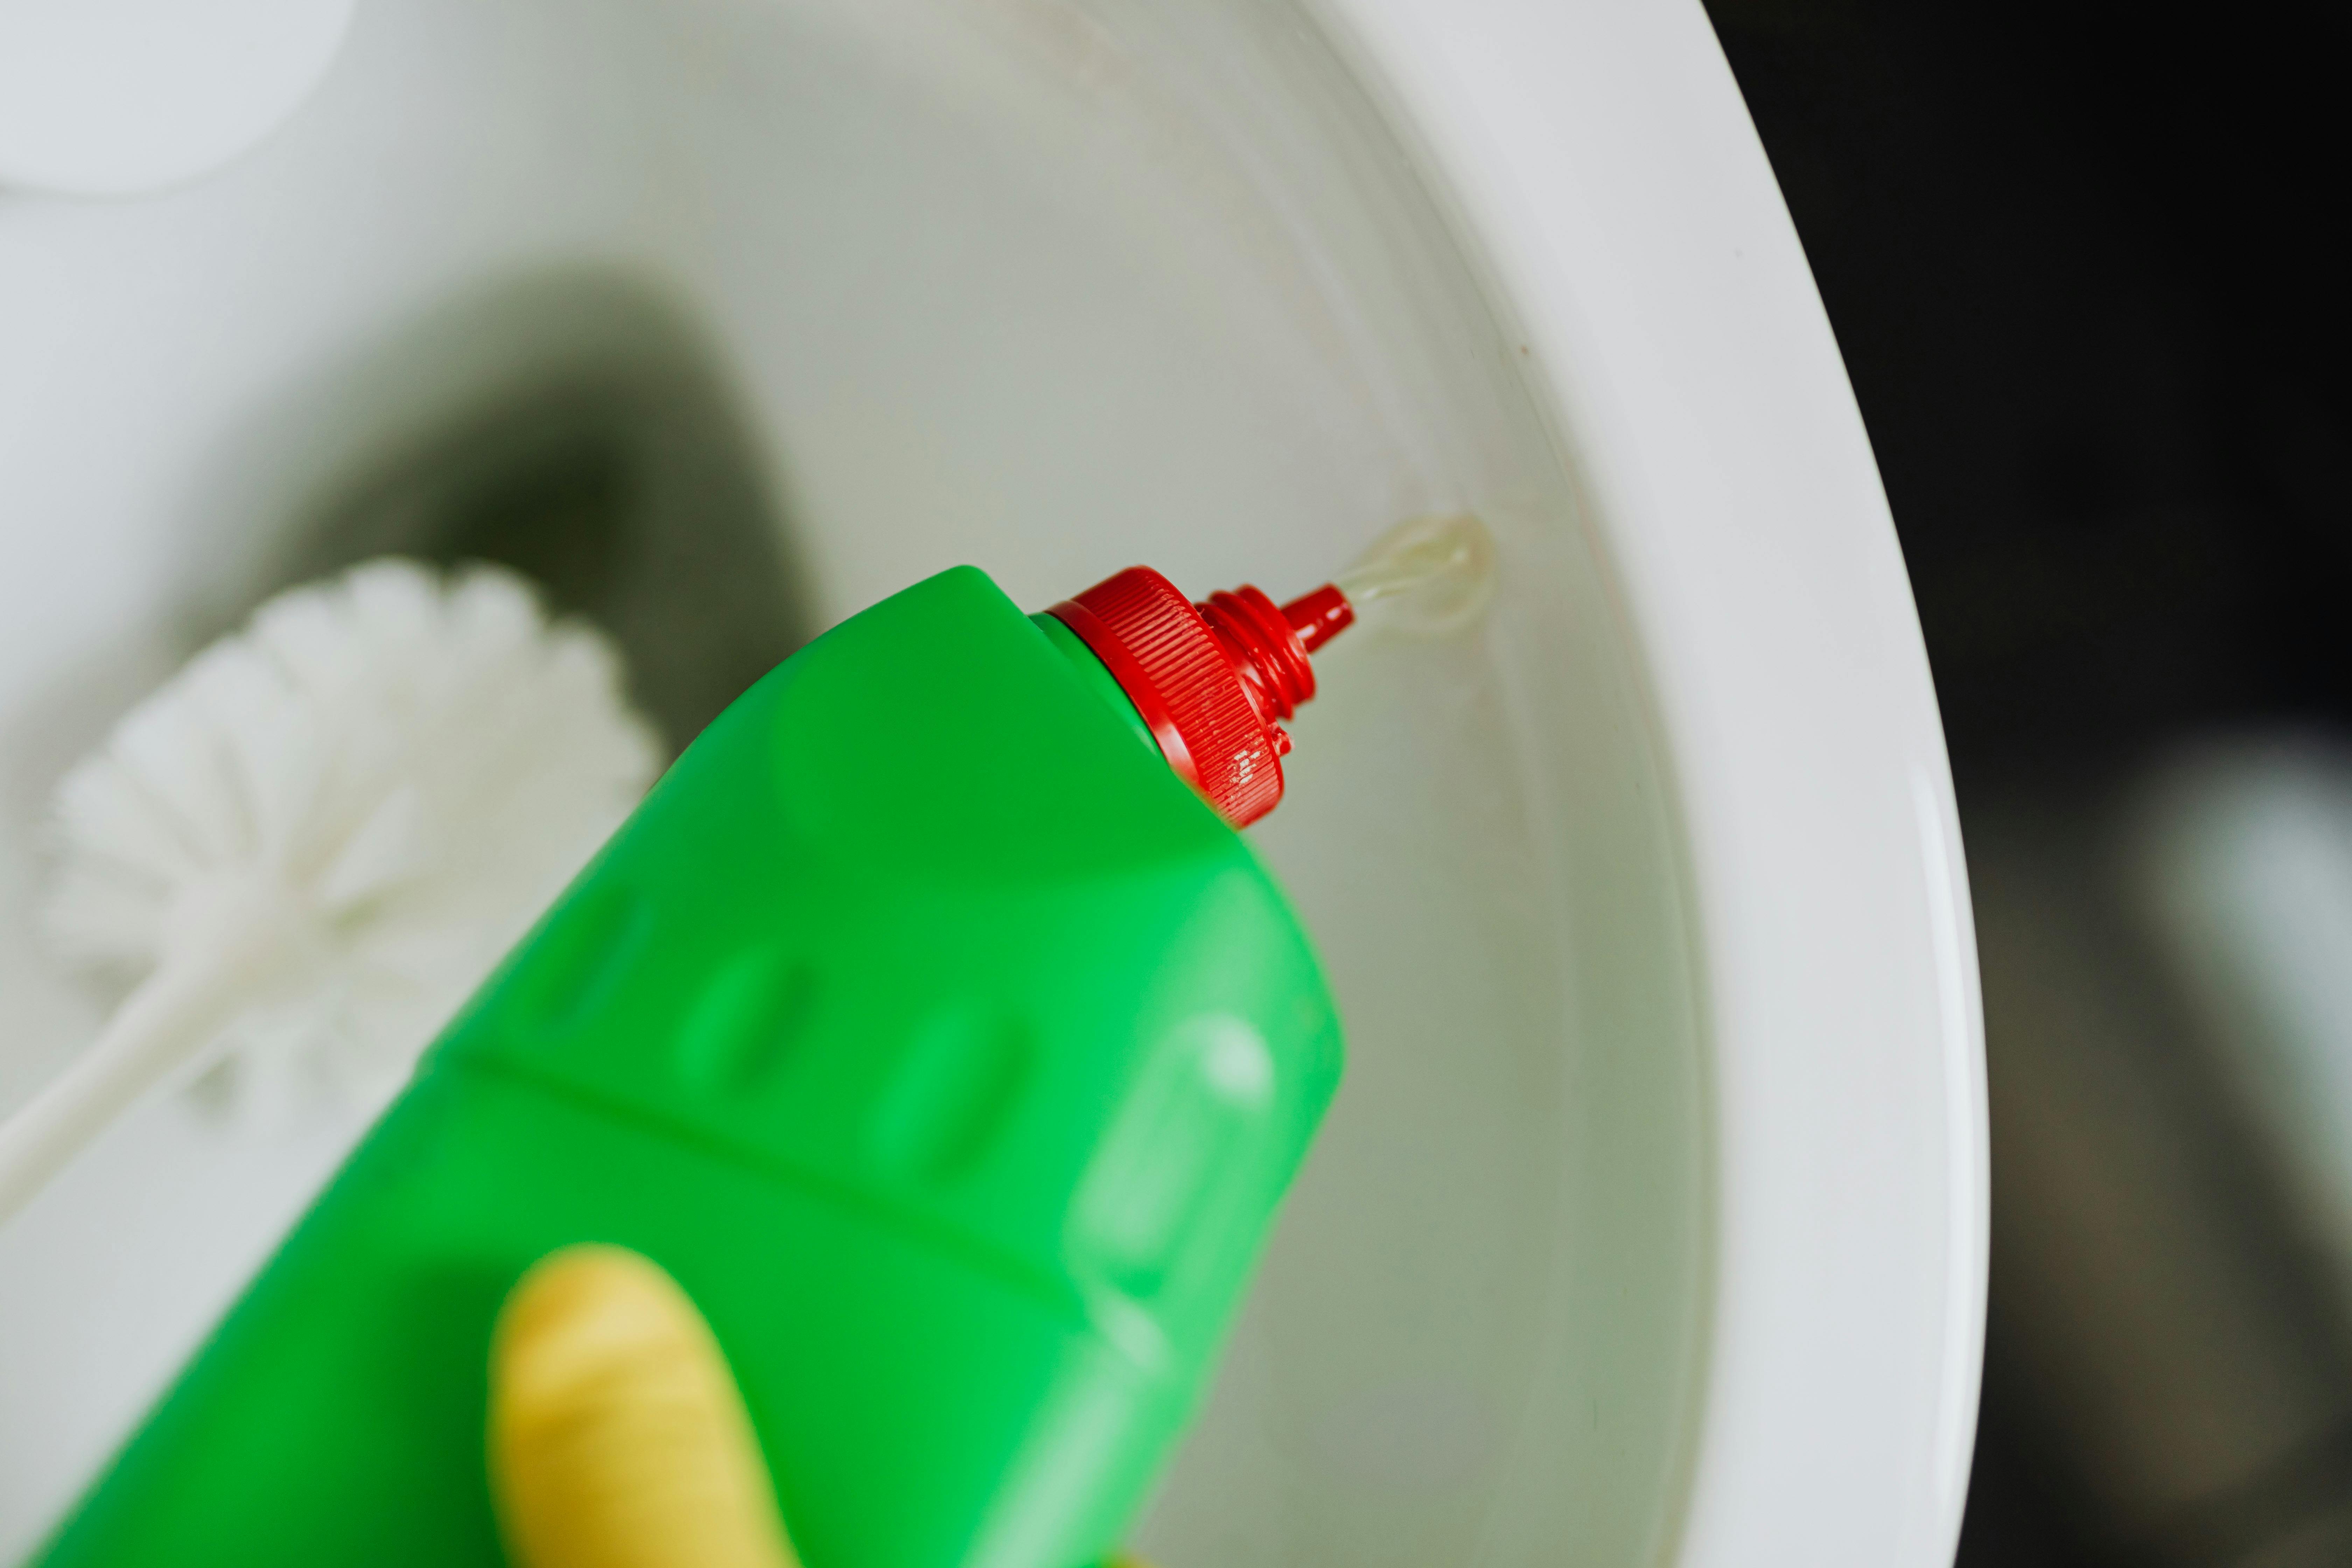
(1213, 681)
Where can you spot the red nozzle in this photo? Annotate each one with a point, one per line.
(1212, 681)
(1319, 616)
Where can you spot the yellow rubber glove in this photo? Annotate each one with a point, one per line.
(616, 1437)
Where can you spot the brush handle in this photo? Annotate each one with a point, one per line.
(157, 1034)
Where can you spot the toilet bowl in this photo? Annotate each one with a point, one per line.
(1649, 1226)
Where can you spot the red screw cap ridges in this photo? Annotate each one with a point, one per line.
(1212, 681)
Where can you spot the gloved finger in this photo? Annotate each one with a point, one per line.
(616, 1437)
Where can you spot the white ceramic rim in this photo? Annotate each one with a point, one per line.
(119, 97)
(1599, 160)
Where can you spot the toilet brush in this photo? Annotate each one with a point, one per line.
(312, 843)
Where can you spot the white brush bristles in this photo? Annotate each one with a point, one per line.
(353, 807)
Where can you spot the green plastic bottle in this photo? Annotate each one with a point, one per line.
(945, 1042)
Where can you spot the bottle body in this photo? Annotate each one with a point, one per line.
(943, 1046)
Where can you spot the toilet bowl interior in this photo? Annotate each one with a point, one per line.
(726, 318)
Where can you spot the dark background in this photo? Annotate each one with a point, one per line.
(2084, 265)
